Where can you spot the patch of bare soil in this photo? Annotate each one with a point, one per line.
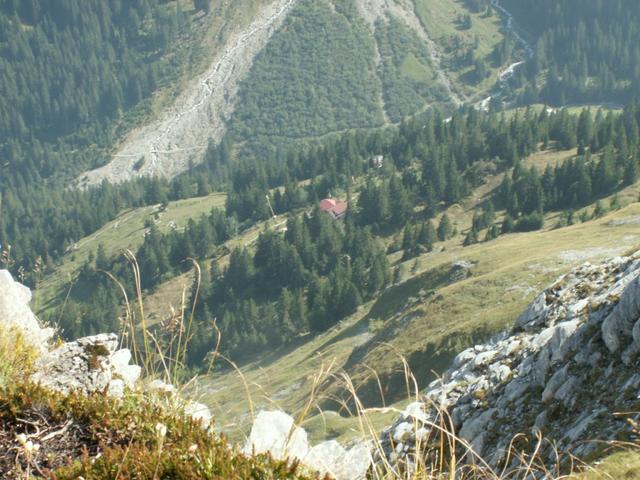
(35, 443)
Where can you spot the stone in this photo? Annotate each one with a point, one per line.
(553, 339)
(332, 458)
(533, 314)
(515, 389)
(475, 426)
(356, 463)
(274, 432)
(326, 457)
(567, 391)
(463, 357)
(541, 419)
(554, 383)
(460, 414)
(403, 432)
(499, 373)
(576, 346)
(512, 347)
(16, 316)
(120, 362)
(199, 412)
(580, 426)
(88, 365)
(483, 359)
(415, 410)
(161, 387)
(577, 309)
(621, 321)
(561, 335)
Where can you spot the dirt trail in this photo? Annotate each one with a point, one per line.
(373, 10)
(180, 135)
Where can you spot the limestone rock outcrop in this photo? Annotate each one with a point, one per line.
(88, 365)
(276, 433)
(567, 366)
(16, 316)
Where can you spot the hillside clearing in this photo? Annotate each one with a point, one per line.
(125, 232)
(428, 318)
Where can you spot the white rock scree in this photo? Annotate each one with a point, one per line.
(275, 432)
(88, 365)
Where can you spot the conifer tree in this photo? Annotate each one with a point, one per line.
(445, 228)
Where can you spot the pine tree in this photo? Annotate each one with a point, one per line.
(427, 236)
(399, 202)
(508, 224)
(445, 228)
(599, 210)
(493, 232)
(471, 238)
(630, 171)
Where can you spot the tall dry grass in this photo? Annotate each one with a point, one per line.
(441, 454)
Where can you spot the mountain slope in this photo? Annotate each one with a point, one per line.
(585, 52)
(453, 299)
(567, 370)
(78, 74)
(181, 133)
(302, 70)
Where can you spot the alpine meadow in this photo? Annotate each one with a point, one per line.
(320, 239)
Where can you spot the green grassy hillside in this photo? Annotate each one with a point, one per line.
(435, 312)
(443, 21)
(125, 232)
(316, 76)
(326, 71)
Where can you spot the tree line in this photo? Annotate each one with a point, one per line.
(69, 72)
(428, 165)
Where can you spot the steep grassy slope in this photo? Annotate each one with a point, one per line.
(283, 71)
(438, 310)
(125, 232)
(179, 135)
(344, 64)
(316, 76)
(407, 71)
(442, 19)
(625, 464)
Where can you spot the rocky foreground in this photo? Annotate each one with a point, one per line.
(568, 371)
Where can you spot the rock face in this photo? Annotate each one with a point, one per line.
(88, 365)
(91, 364)
(17, 318)
(275, 432)
(568, 365)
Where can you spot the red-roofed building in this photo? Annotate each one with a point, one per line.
(335, 208)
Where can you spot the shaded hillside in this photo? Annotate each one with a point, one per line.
(584, 51)
(71, 72)
(316, 76)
